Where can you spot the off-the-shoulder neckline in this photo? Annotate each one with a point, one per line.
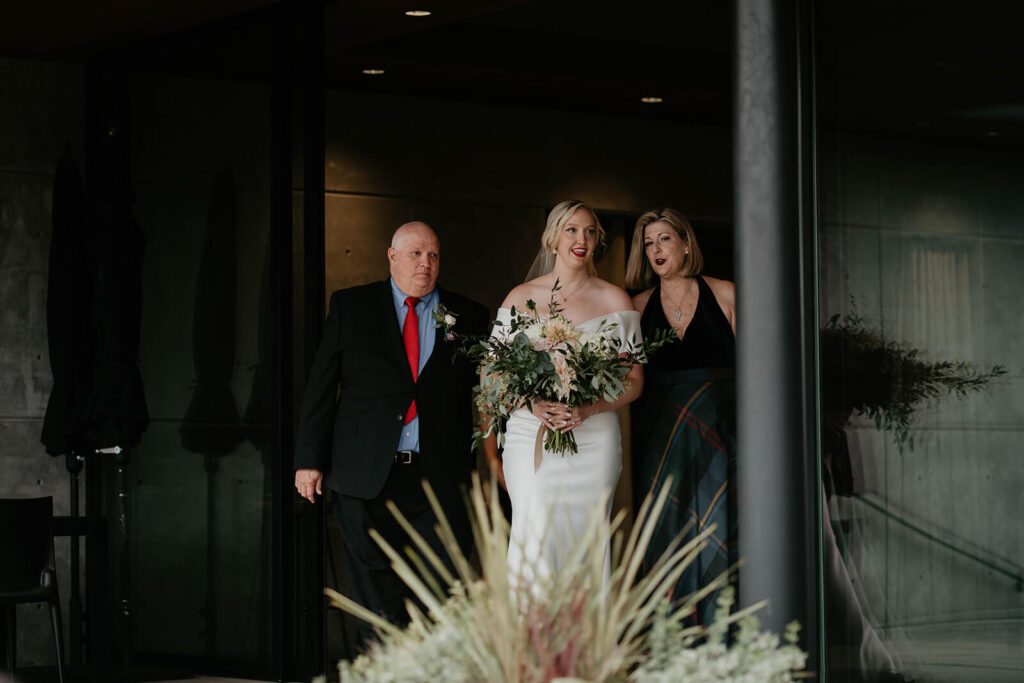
(596, 317)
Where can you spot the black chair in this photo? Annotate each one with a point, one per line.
(27, 572)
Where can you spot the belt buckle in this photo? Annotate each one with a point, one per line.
(404, 457)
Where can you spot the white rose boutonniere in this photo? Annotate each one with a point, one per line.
(445, 319)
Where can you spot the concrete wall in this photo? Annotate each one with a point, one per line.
(43, 108)
(927, 239)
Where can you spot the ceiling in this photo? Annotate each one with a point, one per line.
(918, 68)
(923, 68)
(565, 54)
(76, 29)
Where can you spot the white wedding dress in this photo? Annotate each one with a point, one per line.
(551, 506)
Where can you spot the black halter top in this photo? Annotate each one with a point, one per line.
(708, 341)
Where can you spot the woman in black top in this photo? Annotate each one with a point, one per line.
(684, 424)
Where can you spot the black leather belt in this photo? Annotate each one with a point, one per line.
(405, 457)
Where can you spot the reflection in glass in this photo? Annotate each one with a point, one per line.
(202, 495)
(921, 240)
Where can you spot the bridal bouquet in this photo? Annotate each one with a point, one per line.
(546, 357)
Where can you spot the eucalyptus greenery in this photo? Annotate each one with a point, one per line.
(888, 381)
(487, 623)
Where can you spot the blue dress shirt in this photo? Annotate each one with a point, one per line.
(410, 440)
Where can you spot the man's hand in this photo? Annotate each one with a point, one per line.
(308, 484)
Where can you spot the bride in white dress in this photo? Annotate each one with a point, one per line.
(552, 504)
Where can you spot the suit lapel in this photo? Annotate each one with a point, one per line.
(391, 338)
(441, 345)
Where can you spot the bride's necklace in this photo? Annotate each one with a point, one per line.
(565, 297)
(678, 313)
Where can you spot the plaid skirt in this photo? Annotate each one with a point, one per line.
(685, 426)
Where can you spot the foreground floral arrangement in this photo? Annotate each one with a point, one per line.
(546, 357)
(572, 626)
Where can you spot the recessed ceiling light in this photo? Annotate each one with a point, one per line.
(373, 72)
(651, 100)
(417, 13)
(992, 133)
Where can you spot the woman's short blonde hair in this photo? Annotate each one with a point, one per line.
(639, 274)
(557, 219)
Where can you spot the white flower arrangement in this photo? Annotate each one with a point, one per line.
(753, 657)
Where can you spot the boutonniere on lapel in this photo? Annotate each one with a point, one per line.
(445, 320)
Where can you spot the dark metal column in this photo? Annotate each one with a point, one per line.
(125, 632)
(74, 463)
(311, 541)
(777, 484)
(282, 538)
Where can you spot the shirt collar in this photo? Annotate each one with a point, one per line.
(399, 296)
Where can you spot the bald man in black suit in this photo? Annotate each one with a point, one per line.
(386, 407)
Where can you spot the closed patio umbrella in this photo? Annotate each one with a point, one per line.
(117, 412)
(211, 425)
(69, 315)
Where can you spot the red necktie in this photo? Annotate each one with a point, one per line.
(411, 337)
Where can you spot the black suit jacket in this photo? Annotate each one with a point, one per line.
(360, 386)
